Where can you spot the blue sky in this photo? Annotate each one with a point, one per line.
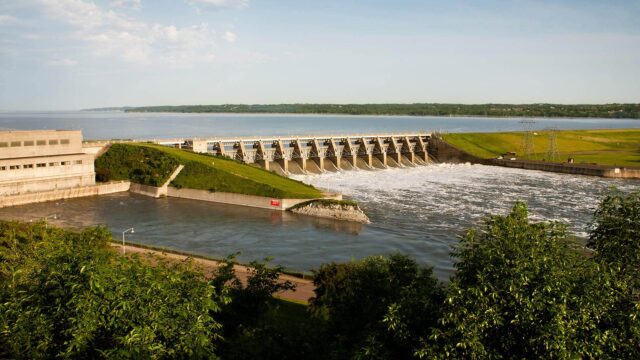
(73, 54)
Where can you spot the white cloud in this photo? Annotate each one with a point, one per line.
(7, 20)
(62, 62)
(129, 4)
(109, 32)
(229, 36)
(218, 4)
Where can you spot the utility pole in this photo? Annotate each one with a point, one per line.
(527, 147)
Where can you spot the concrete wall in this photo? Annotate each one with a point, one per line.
(146, 190)
(21, 144)
(45, 173)
(154, 191)
(235, 199)
(101, 189)
(566, 168)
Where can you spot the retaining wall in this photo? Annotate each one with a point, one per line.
(568, 168)
(154, 191)
(235, 199)
(29, 198)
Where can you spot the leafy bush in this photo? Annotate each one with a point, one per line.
(615, 233)
(524, 290)
(142, 165)
(377, 307)
(66, 294)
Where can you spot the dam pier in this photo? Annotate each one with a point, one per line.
(317, 154)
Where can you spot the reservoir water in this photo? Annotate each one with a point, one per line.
(418, 211)
(121, 125)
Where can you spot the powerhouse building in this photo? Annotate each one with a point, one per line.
(43, 160)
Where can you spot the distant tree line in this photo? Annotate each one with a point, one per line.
(522, 289)
(619, 111)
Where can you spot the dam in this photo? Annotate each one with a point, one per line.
(316, 154)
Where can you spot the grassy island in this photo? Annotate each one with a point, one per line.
(607, 147)
(149, 164)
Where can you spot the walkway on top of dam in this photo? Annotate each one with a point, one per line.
(316, 154)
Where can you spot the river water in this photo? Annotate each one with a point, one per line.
(121, 125)
(420, 211)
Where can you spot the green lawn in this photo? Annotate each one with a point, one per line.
(214, 173)
(607, 147)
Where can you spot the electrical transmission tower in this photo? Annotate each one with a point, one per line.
(527, 140)
(552, 149)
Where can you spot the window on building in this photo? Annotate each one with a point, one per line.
(14, 167)
(78, 162)
(41, 142)
(53, 164)
(53, 142)
(16, 143)
(28, 143)
(41, 165)
(65, 163)
(4, 144)
(27, 166)
(64, 142)
(3, 168)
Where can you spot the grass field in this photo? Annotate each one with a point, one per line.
(607, 147)
(206, 172)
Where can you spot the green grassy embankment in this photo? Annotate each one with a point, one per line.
(142, 165)
(206, 172)
(606, 147)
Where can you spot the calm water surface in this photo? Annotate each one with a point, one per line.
(418, 211)
(118, 125)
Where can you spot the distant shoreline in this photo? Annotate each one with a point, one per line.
(603, 111)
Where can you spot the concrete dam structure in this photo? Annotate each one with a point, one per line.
(316, 154)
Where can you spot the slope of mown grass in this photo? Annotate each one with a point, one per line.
(141, 165)
(206, 172)
(608, 147)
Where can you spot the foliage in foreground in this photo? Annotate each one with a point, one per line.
(521, 290)
(377, 307)
(65, 294)
(525, 290)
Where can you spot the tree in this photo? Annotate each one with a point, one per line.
(66, 294)
(377, 307)
(524, 290)
(615, 232)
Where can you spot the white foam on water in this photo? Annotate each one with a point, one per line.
(459, 195)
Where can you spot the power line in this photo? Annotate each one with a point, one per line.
(527, 147)
(552, 149)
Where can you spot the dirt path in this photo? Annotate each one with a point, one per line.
(304, 287)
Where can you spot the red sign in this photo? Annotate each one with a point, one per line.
(275, 202)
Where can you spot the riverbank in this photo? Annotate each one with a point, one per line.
(606, 147)
(302, 294)
(609, 147)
